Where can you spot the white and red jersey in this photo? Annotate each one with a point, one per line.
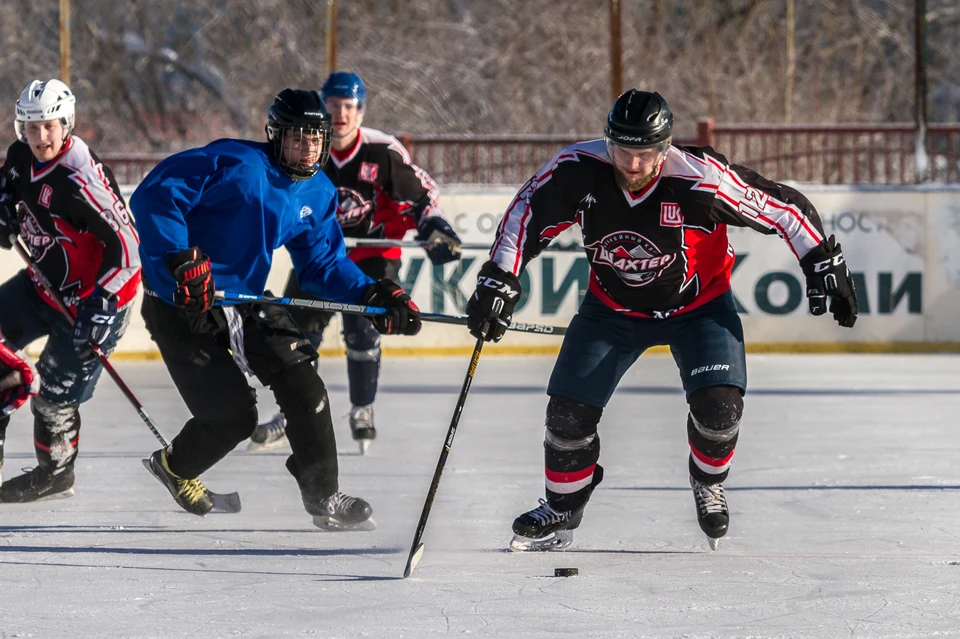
(660, 251)
(75, 223)
(393, 193)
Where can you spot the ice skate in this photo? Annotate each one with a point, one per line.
(341, 512)
(361, 425)
(190, 494)
(269, 435)
(36, 484)
(544, 528)
(712, 512)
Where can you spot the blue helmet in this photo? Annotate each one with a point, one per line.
(342, 84)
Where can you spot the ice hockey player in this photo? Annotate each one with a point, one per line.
(382, 195)
(65, 204)
(214, 216)
(654, 217)
(18, 382)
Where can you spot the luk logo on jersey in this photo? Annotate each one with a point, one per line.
(368, 172)
(635, 259)
(670, 214)
(45, 194)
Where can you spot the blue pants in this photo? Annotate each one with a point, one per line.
(601, 344)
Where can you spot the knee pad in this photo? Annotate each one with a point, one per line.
(715, 412)
(361, 338)
(299, 391)
(571, 424)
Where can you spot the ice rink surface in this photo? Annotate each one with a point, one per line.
(843, 494)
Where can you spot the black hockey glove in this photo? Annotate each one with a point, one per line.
(402, 316)
(444, 242)
(193, 273)
(9, 217)
(490, 309)
(828, 276)
(95, 317)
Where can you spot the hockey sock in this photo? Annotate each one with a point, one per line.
(713, 426)
(571, 451)
(56, 433)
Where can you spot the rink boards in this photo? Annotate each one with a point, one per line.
(901, 243)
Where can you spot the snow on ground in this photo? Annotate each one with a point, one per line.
(843, 501)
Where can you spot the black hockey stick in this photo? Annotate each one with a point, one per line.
(360, 309)
(466, 246)
(416, 548)
(226, 503)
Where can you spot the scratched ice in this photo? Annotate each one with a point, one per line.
(843, 496)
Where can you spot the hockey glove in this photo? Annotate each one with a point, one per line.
(193, 273)
(9, 218)
(828, 276)
(490, 309)
(18, 380)
(402, 316)
(95, 316)
(444, 242)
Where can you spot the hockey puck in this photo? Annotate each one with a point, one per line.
(565, 572)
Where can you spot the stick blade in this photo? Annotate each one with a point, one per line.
(413, 560)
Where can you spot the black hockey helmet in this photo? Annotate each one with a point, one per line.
(639, 119)
(299, 112)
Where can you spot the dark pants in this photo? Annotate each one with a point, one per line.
(599, 347)
(196, 351)
(65, 380)
(361, 338)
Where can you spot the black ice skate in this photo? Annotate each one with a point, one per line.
(712, 512)
(190, 494)
(269, 435)
(341, 512)
(37, 484)
(544, 528)
(361, 425)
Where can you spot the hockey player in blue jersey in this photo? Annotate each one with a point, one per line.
(215, 215)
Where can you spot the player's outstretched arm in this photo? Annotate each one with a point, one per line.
(828, 276)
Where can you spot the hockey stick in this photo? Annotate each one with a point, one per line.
(466, 246)
(359, 309)
(417, 547)
(227, 503)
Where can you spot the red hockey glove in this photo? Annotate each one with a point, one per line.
(402, 316)
(192, 271)
(18, 379)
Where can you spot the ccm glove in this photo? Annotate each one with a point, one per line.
(95, 316)
(9, 218)
(444, 242)
(402, 316)
(828, 276)
(490, 309)
(18, 380)
(192, 271)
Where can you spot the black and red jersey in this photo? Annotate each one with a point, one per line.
(74, 222)
(660, 251)
(378, 174)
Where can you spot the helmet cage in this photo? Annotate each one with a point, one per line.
(278, 135)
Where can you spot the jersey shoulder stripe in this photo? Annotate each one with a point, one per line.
(376, 136)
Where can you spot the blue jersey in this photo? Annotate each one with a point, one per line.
(232, 201)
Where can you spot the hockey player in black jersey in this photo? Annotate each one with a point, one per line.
(654, 217)
(65, 205)
(381, 195)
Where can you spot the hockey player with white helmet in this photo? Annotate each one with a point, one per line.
(64, 204)
(654, 217)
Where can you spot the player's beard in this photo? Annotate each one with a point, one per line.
(635, 184)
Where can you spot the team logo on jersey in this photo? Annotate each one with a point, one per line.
(353, 212)
(368, 172)
(670, 214)
(305, 211)
(38, 241)
(634, 258)
(45, 194)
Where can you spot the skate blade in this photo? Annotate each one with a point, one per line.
(714, 542)
(560, 540)
(63, 494)
(256, 447)
(332, 524)
(364, 446)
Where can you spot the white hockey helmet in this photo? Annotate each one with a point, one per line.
(42, 101)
